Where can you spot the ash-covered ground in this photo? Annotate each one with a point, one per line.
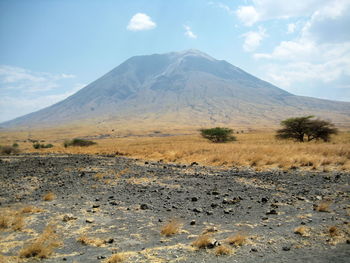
(119, 205)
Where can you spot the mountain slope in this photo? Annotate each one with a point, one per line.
(187, 87)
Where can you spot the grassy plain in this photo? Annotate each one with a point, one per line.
(253, 148)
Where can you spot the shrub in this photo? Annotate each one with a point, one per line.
(15, 145)
(39, 146)
(218, 134)
(301, 128)
(78, 142)
(8, 150)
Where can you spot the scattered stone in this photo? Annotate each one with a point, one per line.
(209, 213)
(193, 222)
(213, 205)
(113, 203)
(228, 210)
(68, 217)
(272, 212)
(90, 220)
(254, 249)
(110, 241)
(101, 257)
(264, 199)
(215, 193)
(144, 207)
(198, 210)
(194, 199)
(286, 248)
(95, 206)
(193, 164)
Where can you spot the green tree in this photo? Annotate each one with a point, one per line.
(218, 134)
(301, 128)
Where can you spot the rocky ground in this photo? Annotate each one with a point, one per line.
(102, 205)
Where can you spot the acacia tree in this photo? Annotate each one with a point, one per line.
(218, 134)
(299, 128)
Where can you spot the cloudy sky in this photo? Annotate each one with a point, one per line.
(51, 49)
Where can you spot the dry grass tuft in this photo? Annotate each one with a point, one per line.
(30, 209)
(119, 257)
(49, 196)
(323, 206)
(10, 219)
(223, 250)
(171, 228)
(43, 245)
(302, 230)
(203, 241)
(90, 242)
(237, 239)
(333, 231)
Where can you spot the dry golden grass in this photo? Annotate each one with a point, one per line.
(203, 241)
(10, 219)
(30, 209)
(43, 246)
(236, 240)
(323, 206)
(171, 228)
(259, 149)
(222, 250)
(333, 231)
(49, 196)
(85, 240)
(116, 258)
(302, 230)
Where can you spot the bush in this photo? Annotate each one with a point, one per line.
(39, 146)
(301, 128)
(8, 150)
(218, 134)
(15, 145)
(78, 142)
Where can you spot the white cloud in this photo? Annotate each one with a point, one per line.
(252, 39)
(248, 15)
(141, 21)
(23, 91)
(189, 32)
(222, 6)
(291, 28)
(320, 54)
(16, 78)
(261, 10)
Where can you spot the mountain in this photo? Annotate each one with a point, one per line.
(188, 87)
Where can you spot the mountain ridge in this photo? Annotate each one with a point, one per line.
(187, 86)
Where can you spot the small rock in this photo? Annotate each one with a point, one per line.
(95, 206)
(101, 257)
(228, 211)
(144, 207)
(193, 222)
(90, 220)
(110, 241)
(209, 213)
(254, 249)
(198, 210)
(286, 248)
(193, 163)
(113, 203)
(194, 199)
(68, 217)
(272, 212)
(215, 193)
(213, 205)
(264, 199)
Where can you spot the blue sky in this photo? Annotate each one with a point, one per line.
(49, 49)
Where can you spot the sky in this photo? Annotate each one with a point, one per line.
(49, 49)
